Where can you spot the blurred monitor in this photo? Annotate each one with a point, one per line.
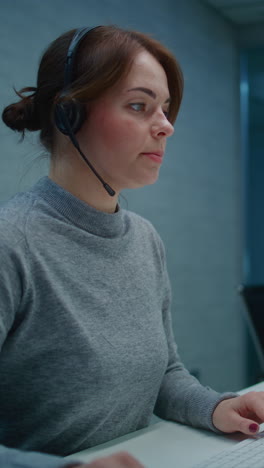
(254, 300)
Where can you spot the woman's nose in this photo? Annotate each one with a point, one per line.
(161, 127)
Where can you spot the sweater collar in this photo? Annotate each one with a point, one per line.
(78, 212)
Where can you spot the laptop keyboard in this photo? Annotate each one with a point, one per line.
(246, 454)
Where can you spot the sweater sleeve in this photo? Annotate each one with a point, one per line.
(11, 288)
(13, 458)
(12, 253)
(181, 397)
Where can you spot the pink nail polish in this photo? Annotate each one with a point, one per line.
(253, 427)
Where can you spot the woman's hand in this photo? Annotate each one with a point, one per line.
(243, 413)
(118, 460)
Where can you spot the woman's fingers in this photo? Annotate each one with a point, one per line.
(118, 460)
(243, 413)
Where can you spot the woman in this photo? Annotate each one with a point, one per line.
(88, 352)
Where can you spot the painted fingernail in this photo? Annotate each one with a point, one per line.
(253, 427)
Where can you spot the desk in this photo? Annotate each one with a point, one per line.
(167, 444)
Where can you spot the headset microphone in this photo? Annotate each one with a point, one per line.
(69, 114)
(75, 143)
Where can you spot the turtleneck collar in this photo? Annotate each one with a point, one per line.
(78, 212)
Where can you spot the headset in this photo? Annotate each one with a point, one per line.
(70, 114)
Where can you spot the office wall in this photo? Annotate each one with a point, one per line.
(196, 204)
(250, 35)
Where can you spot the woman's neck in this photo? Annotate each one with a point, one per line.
(83, 184)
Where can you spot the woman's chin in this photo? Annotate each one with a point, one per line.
(140, 182)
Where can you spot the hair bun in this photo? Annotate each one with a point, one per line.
(21, 115)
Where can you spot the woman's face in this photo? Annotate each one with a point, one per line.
(126, 130)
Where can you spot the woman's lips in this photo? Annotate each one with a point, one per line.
(155, 156)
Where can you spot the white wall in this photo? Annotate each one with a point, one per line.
(196, 205)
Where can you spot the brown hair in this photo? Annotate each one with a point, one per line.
(103, 57)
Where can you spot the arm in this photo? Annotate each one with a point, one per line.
(12, 458)
(182, 398)
(11, 293)
(13, 284)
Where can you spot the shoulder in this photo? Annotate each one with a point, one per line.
(146, 231)
(141, 223)
(13, 218)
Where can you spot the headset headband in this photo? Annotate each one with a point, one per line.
(73, 47)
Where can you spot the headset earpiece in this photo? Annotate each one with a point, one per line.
(70, 114)
(72, 110)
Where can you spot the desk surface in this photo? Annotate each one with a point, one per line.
(167, 444)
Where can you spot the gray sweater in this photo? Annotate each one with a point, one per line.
(87, 349)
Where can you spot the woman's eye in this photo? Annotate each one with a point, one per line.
(166, 112)
(138, 106)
